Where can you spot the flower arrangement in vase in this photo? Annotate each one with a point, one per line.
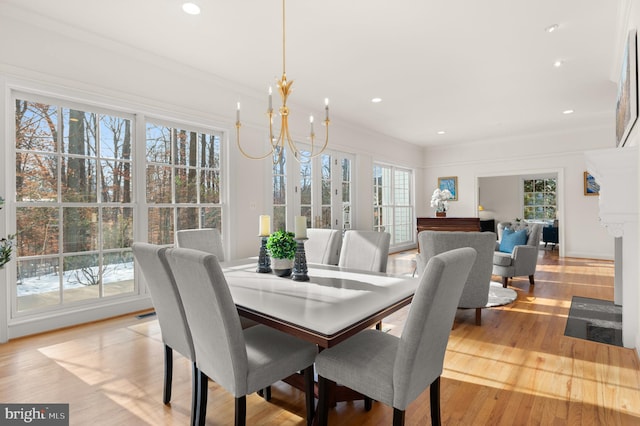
(440, 201)
(281, 246)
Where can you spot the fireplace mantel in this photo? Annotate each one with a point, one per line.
(616, 171)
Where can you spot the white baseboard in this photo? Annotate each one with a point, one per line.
(585, 255)
(85, 314)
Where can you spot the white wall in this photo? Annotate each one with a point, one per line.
(500, 197)
(84, 67)
(630, 16)
(562, 153)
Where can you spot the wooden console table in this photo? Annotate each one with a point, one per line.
(469, 224)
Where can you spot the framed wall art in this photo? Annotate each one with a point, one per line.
(627, 102)
(450, 183)
(591, 187)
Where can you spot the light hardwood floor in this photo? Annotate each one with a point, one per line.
(518, 368)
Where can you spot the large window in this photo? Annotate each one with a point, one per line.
(74, 208)
(539, 199)
(183, 180)
(78, 207)
(392, 203)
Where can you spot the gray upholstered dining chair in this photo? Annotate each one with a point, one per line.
(323, 246)
(514, 258)
(475, 294)
(241, 361)
(205, 239)
(365, 250)
(209, 240)
(398, 370)
(170, 313)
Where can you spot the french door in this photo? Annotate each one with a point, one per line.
(320, 190)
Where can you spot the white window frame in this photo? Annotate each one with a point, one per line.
(394, 208)
(12, 325)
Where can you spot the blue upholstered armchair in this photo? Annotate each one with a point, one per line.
(516, 250)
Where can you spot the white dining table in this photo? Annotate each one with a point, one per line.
(333, 305)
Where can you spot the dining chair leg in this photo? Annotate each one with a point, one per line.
(434, 393)
(203, 390)
(168, 374)
(309, 383)
(478, 316)
(505, 281)
(368, 403)
(398, 417)
(323, 401)
(195, 394)
(531, 281)
(241, 411)
(265, 393)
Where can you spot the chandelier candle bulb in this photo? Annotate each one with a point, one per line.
(238, 113)
(301, 227)
(311, 123)
(270, 100)
(326, 109)
(265, 225)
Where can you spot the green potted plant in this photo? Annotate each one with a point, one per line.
(6, 245)
(282, 250)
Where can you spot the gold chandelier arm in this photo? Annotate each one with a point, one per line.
(326, 140)
(272, 140)
(242, 151)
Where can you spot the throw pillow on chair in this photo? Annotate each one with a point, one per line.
(511, 238)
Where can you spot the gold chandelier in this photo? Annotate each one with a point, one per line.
(278, 143)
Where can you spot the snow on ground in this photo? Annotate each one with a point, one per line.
(51, 282)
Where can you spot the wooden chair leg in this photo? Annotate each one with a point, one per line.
(505, 281)
(195, 394)
(398, 417)
(241, 411)
(323, 401)
(168, 374)
(309, 382)
(478, 316)
(434, 394)
(531, 280)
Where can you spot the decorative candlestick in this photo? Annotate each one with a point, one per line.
(300, 262)
(264, 262)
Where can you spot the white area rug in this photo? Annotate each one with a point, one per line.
(500, 296)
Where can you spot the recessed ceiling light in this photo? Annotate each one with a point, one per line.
(376, 100)
(441, 132)
(558, 63)
(568, 111)
(551, 28)
(191, 8)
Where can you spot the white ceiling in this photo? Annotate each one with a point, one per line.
(475, 69)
